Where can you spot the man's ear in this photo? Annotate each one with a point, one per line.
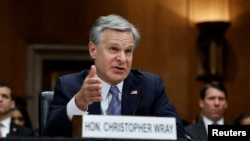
(201, 103)
(13, 104)
(92, 50)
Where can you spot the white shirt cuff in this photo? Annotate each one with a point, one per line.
(72, 109)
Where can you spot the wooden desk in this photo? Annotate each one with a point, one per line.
(77, 126)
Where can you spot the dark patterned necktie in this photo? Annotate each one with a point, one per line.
(115, 104)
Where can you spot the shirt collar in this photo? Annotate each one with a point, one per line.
(208, 121)
(106, 87)
(6, 122)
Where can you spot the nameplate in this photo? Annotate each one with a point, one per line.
(129, 127)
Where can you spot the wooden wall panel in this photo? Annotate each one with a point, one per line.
(167, 45)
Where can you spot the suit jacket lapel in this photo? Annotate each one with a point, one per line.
(13, 130)
(132, 90)
(202, 131)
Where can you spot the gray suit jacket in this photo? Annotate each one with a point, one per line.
(197, 131)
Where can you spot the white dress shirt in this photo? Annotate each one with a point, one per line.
(209, 122)
(5, 129)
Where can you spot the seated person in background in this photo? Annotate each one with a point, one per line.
(7, 104)
(243, 119)
(20, 115)
(112, 43)
(213, 103)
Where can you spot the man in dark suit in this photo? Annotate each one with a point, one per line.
(213, 102)
(112, 43)
(7, 127)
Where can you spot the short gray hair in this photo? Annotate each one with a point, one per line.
(113, 22)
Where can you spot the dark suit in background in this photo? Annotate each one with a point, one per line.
(197, 131)
(213, 104)
(20, 131)
(7, 104)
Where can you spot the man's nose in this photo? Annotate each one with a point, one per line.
(216, 101)
(121, 56)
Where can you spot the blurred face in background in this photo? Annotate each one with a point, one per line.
(17, 117)
(214, 104)
(6, 102)
(245, 121)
